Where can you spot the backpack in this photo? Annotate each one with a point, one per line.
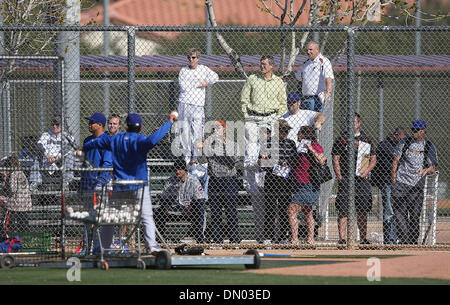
(408, 142)
(11, 245)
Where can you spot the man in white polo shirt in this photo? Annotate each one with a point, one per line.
(193, 80)
(316, 76)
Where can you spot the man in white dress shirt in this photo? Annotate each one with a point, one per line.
(316, 76)
(193, 80)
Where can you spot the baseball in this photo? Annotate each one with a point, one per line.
(175, 113)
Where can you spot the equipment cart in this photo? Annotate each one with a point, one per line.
(118, 205)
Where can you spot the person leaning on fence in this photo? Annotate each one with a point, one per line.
(129, 159)
(15, 199)
(223, 184)
(316, 76)
(306, 194)
(182, 199)
(381, 178)
(51, 144)
(297, 117)
(193, 80)
(278, 183)
(114, 124)
(414, 158)
(263, 99)
(363, 192)
(92, 181)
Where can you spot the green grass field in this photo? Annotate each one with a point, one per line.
(199, 275)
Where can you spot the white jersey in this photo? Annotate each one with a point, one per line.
(302, 118)
(313, 75)
(190, 79)
(51, 143)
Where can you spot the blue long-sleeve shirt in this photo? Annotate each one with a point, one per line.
(129, 152)
(98, 158)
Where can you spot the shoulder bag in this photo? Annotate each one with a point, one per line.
(319, 174)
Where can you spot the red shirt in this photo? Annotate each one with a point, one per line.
(303, 163)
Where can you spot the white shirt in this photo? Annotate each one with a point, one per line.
(313, 75)
(302, 118)
(189, 79)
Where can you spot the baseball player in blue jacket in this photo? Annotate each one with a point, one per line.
(129, 161)
(92, 181)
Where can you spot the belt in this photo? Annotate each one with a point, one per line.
(310, 96)
(251, 112)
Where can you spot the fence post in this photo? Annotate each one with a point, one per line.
(131, 34)
(61, 78)
(351, 217)
(380, 135)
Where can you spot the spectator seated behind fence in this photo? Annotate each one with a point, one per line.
(223, 184)
(182, 199)
(29, 157)
(51, 144)
(414, 158)
(15, 199)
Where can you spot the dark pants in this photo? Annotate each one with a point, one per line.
(223, 194)
(277, 197)
(407, 204)
(195, 214)
(312, 103)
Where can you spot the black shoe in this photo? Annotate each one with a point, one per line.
(364, 242)
(341, 244)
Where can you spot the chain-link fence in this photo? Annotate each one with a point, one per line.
(229, 172)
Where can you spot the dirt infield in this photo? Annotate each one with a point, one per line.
(394, 264)
(424, 265)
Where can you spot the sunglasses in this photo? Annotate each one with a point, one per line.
(192, 57)
(414, 130)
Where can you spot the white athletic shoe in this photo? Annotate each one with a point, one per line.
(155, 249)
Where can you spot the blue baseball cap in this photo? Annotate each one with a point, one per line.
(294, 97)
(98, 118)
(419, 124)
(134, 119)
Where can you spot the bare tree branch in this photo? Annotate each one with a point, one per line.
(232, 54)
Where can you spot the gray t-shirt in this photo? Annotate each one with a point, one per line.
(182, 193)
(412, 162)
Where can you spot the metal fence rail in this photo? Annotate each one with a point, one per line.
(378, 72)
